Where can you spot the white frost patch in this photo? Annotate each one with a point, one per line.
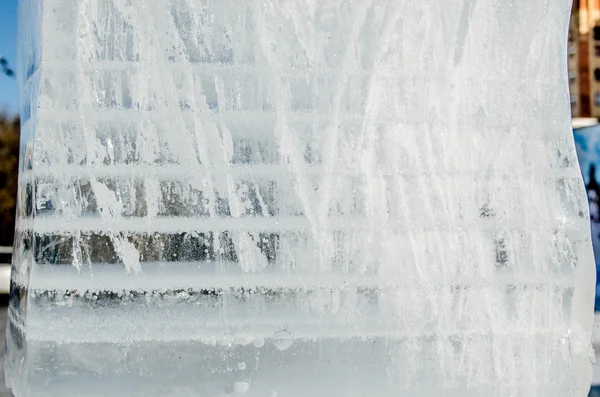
(111, 208)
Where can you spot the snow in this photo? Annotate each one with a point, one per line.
(354, 198)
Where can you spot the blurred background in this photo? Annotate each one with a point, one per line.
(583, 54)
(9, 152)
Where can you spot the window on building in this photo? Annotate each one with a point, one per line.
(597, 98)
(585, 106)
(597, 33)
(597, 74)
(572, 74)
(573, 99)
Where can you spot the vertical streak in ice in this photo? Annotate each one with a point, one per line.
(376, 181)
(203, 125)
(290, 158)
(215, 144)
(332, 133)
(108, 203)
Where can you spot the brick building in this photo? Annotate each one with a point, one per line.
(584, 58)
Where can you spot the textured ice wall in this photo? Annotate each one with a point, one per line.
(299, 198)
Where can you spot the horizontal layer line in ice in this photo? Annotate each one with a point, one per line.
(175, 172)
(248, 117)
(188, 276)
(273, 293)
(67, 226)
(233, 334)
(217, 68)
(133, 115)
(140, 326)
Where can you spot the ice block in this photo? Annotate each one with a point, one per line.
(332, 198)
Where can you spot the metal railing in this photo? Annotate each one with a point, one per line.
(5, 263)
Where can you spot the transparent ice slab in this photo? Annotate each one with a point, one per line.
(353, 198)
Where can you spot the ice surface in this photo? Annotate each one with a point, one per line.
(310, 198)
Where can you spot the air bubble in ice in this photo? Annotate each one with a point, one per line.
(241, 387)
(282, 340)
(258, 342)
(241, 366)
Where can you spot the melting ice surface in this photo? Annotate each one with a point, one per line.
(347, 198)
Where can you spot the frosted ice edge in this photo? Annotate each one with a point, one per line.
(355, 194)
